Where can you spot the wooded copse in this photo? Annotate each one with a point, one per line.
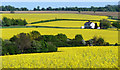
(11, 22)
(34, 42)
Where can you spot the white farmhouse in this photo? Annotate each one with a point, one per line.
(89, 25)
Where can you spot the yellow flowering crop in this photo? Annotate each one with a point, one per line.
(62, 24)
(110, 36)
(66, 57)
(40, 17)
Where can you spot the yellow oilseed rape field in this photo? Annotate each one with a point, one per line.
(41, 17)
(66, 57)
(62, 24)
(110, 36)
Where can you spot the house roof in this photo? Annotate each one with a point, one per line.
(88, 23)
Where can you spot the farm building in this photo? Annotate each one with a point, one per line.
(89, 25)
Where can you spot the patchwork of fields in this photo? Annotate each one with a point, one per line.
(40, 17)
(109, 35)
(31, 18)
(66, 57)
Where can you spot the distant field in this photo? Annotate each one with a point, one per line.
(109, 35)
(62, 24)
(74, 20)
(66, 57)
(40, 17)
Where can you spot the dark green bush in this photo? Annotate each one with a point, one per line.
(100, 41)
(104, 24)
(8, 22)
(34, 35)
(78, 37)
(42, 46)
(22, 41)
(13, 39)
(9, 47)
(62, 37)
(116, 24)
(48, 38)
(97, 41)
(75, 43)
(51, 47)
(36, 46)
(107, 44)
(116, 44)
(62, 44)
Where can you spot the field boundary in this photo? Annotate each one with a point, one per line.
(61, 20)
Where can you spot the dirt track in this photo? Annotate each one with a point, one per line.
(73, 12)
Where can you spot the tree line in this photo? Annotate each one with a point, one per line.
(34, 42)
(112, 8)
(11, 22)
(12, 8)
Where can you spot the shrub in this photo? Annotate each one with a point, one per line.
(48, 38)
(116, 44)
(9, 47)
(75, 43)
(61, 44)
(90, 42)
(42, 46)
(104, 24)
(107, 44)
(97, 41)
(34, 35)
(78, 38)
(36, 46)
(100, 41)
(51, 47)
(116, 24)
(83, 42)
(62, 37)
(13, 39)
(22, 41)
